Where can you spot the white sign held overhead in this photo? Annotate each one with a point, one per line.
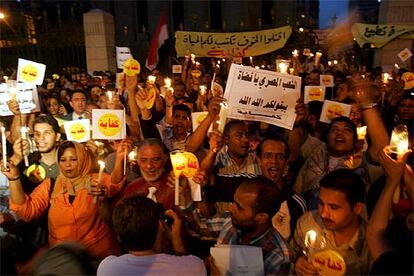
(25, 94)
(332, 109)
(262, 95)
(30, 71)
(122, 54)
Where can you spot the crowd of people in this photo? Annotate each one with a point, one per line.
(261, 185)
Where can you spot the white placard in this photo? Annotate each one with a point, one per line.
(30, 71)
(405, 54)
(262, 95)
(326, 80)
(26, 95)
(108, 124)
(238, 259)
(122, 54)
(177, 69)
(332, 109)
(77, 130)
(314, 93)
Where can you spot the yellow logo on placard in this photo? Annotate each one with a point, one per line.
(201, 118)
(109, 124)
(315, 93)
(29, 73)
(326, 80)
(132, 67)
(77, 131)
(333, 111)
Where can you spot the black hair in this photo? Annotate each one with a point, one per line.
(276, 139)
(182, 107)
(136, 222)
(47, 119)
(78, 91)
(63, 146)
(229, 125)
(347, 121)
(347, 182)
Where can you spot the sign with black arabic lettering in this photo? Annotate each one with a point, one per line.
(261, 95)
(24, 93)
(240, 44)
(380, 34)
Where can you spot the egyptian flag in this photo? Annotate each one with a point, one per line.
(160, 36)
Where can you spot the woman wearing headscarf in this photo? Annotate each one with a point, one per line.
(73, 213)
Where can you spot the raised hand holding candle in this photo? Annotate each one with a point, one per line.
(399, 140)
(4, 146)
(224, 110)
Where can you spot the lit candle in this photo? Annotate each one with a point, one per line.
(4, 146)
(101, 169)
(23, 132)
(179, 162)
(317, 57)
(167, 82)
(5, 78)
(399, 140)
(329, 63)
(310, 238)
(132, 155)
(385, 77)
(291, 71)
(224, 110)
(151, 79)
(396, 66)
(283, 68)
(251, 60)
(361, 132)
(295, 53)
(313, 242)
(203, 89)
(218, 63)
(192, 58)
(197, 64)
(110, 95)
(335, 62)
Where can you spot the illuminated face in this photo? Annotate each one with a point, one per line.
(68, 163)
(242, 213)
(78, 103)
(102, 102)
(151, 161)
(53, 106)
(335, 210)
(273, 160)
(84, 81)
(340, 139)
(45, 137)
(181, 122)
(95, 93)
(355, 114)
(238, 140)
(406, 110)
(179, 90)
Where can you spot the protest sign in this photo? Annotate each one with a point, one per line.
(332, 109)
(131, 67)
(326, 80)
(177, 69)
(329, 262)
(261, 95)
(77, 130)
(122, 55)
(24, 93)
(30, 71)
(378, 35)
(314, 93)
(405, 54)
(240, 44)
(108, 124)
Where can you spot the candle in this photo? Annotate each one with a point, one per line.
(291, 71)
(385, 77)
(197, 64)
(361, 132)
(329, 63)
(313, 242)
(203, 89)
(218, 63)
(179, 163)
(310, 238)
(295, 53)
(251, 60)
(132, 155)
(335, 62)
(110, 95)
(4, 145)
(23, 132)
(317, 57)
(224, 110)
(101, 169)
(5, 78)
(399, 140)
(151, 79)
(396, 66)
(167, 82)
(282, 68)
(192, 58)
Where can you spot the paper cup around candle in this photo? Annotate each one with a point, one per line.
(313, 242)
(203, 89)
(151, 79)
(167, 82)
(361, 132)
(282, 66)
(291, 71)
(385, 77)
(399, 140)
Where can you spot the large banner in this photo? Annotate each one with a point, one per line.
(261, 95)
(221, 45)
(379, 35)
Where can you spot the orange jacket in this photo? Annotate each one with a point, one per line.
(79, 221)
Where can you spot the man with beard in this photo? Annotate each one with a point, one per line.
(338, 221)
(152, 159)
(256, 201)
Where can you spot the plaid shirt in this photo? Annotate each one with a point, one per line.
(276, 254)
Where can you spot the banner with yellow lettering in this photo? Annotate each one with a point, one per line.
(240, 44)
(379, 35)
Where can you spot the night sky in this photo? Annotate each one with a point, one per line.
(328, 8)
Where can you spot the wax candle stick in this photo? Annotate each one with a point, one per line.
(4, 146)
(23, 131)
